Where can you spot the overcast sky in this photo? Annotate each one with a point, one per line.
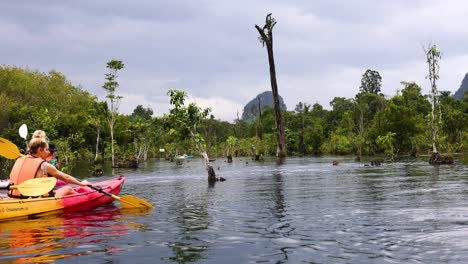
(210, 48)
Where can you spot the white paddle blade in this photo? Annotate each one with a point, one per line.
(23, 131)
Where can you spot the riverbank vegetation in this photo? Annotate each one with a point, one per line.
(368, 124)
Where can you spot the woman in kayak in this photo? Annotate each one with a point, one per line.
(39, 134)
(53, 157)
(33, 165)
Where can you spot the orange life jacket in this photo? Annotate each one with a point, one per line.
(25, 168)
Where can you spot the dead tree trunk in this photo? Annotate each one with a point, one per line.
(98, 132)
(266, 38)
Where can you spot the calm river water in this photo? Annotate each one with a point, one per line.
(302, 211)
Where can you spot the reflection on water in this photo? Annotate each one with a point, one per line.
(56, 237)
(190, 216)
(300, 210)
(21, 240)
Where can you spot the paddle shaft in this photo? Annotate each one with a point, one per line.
(99, 189)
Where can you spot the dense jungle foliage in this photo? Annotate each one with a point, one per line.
(368, 124)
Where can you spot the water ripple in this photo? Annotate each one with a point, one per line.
(303, 211)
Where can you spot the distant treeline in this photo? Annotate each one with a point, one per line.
(368, 124)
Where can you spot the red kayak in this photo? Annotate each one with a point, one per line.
(86, 199)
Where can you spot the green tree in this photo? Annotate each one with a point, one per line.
(455, 122)
(95, 119)
(140, 130)
(259, 119)
(314, 136)
(302, 110)
(140, 111)
(339, 106)
(184, 121)
(340, 144)
(366, 107)
(232, 145)
(110, 86)
(405, 116)
(464, 103)
(371, 82)
(387, 141)
(361, 109)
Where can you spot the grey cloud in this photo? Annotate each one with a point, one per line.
(211, 48)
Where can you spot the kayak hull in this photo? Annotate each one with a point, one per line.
(85, 199)
(182, 157)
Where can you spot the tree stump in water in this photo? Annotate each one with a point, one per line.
(212, 176)
(97, 170)
(132, 163)
(436, 159)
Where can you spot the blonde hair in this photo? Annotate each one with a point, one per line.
(36, 143)
(39, 134)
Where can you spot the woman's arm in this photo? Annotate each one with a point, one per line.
(51, 170)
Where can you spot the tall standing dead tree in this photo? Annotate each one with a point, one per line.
(432, 58)
(266, 38)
